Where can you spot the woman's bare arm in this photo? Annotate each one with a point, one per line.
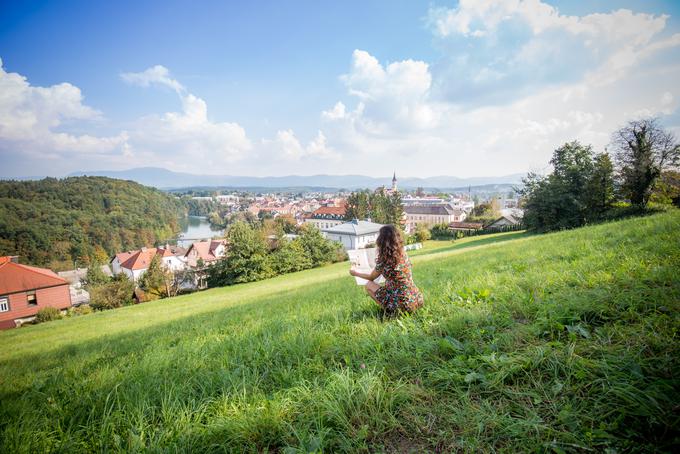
(373, 275)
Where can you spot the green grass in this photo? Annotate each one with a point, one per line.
(552, 343)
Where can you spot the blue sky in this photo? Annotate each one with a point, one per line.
(273, 88)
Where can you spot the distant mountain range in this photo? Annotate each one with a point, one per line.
(166, 179)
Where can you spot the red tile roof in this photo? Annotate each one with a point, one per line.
(339, 211)
(15, 277)
(139, 260)
(205, 250)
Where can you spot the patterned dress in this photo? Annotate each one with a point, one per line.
(399, 292)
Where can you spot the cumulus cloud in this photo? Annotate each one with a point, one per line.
(393, 97)
(287, 146)
(499, 51)
(174, 135)
(33, 119)
(155, 75)
(503, 104)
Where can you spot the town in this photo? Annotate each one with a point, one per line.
(29, 289)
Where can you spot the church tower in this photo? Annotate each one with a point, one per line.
(394, 182)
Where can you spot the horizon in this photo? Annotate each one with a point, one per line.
(435, 89)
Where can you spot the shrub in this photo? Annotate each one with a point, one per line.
(422, 234)
(117, 293)
(47, 314)
(78, 310)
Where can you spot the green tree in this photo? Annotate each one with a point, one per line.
(156, 279)
(643, 150)
(422, 234)
(290, 257)
(379, 206)
(116, 293)
(94, 276)
(667, 189)
(578, 190)
(246, 258)
(599, 190)
(318, 249)
(358, 205)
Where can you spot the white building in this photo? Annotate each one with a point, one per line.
(354, 234)
(135, 263)
(327, 216)
(429, 215)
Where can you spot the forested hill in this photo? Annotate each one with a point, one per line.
(54, 222)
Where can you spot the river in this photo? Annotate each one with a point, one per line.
(195, 228)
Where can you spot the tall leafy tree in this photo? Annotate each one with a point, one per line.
(318, 249)
(94, 276)
(358, 205)
(643, 150)
(379, 206)
(246, 258)
(156, 279)
(599, 190)
(578, 190)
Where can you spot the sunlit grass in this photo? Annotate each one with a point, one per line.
(557, 342)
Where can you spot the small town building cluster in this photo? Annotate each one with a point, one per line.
(24, 289)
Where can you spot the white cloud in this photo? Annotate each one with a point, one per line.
(404, 114)
(287, 146)
(392, 98)
(155, 75)
(31, 118)
(479, 18)
(174, 136)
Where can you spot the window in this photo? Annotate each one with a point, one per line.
(31, 299)
(4, 305)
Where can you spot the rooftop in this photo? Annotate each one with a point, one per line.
(355, 227)
(442, 210)
(15, 277)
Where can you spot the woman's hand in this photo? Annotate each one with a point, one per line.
(352, 272)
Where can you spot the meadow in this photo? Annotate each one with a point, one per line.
(564, 342)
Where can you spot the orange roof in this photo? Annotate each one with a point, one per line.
(139, 260)
(15, 277)
(339, 211)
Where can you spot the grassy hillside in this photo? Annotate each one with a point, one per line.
(556, 343)
(54, 222)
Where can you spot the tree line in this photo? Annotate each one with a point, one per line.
(256, 253)
(586, 186)
(60, 223)
(379, 206)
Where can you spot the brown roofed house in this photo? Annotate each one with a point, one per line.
(24, 290)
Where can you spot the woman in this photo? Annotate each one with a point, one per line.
(399, 292)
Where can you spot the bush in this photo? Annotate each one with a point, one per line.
(117, 293)
(442, 232)
(47, 314)
(422, 234)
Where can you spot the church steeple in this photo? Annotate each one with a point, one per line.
(394, 181)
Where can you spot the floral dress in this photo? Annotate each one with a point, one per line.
(399, 292)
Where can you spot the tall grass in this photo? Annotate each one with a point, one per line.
(554, 343)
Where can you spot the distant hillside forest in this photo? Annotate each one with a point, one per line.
(56, 222)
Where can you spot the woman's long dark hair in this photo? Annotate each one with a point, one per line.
(390, 245)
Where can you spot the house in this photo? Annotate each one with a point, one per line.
(431, 214)
(326, 217)
(504, 221)
(208, 252)
(135, 263)
(465, 226)
(354, 234)
(74, 278)
(24, 290)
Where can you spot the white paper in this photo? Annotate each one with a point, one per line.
(363, 261)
